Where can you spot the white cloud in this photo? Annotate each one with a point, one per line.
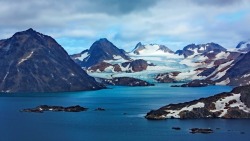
(173, 23)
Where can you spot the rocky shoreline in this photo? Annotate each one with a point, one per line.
(229, 105)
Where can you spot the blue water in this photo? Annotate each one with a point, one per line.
(112, 124)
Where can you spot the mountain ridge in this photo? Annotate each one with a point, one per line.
(99, 51)
(33, 62)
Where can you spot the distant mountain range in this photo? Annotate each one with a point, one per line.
(33, 62)
(208, 61)
(105, 56)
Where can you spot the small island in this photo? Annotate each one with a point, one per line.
(43, 108)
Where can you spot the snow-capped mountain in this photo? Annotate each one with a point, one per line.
(213, 68)
(151, 60)
(209, 62)
(193, 49)
(151, 50)
(200, 58)
(243, 46)
(239, 72)
(33, 62)
(101, 50)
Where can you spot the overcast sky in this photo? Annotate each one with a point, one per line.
(76, 24)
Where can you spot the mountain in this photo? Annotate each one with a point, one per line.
(243, 46)
(193, 49)
(209, 62)
(151, 49)
(239, 73)
(234, 104)
(33, 62)
(101, 50)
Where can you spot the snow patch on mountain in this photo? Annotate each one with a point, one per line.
(116, 60)
(224, 82)
(83, 56)
(175, 113)
(220, 105)
(220, 70)
(25, 58)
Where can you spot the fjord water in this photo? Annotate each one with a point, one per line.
(122, 121)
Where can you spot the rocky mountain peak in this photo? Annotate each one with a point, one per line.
(99, 51)
(28, 32)
(103, 44)
(243, 46)
(165, 49)
(33, 62)
(138, 45)
(193, 49)
(150, 49)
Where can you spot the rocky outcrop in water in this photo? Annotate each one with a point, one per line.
(201, 130)
(43, 108)
(124, 81)
(196, 83)
(234, 104)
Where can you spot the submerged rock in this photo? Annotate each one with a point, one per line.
(201, 130)
(176, 128)
(100, 109)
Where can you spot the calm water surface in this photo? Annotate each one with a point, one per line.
(112, 124)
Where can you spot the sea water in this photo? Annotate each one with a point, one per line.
(122, 120)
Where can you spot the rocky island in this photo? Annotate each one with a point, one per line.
(196, 83)
(124, 81)
(229, 105)
(43, 108)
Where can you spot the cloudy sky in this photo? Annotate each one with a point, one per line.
(76, 24)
